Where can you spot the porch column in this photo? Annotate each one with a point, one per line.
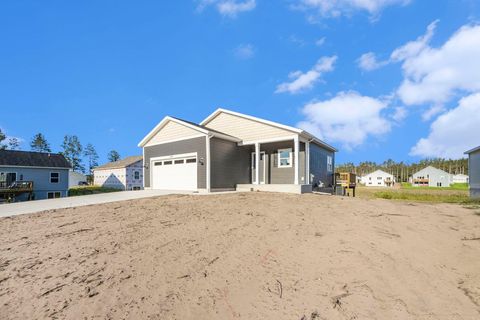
(296, 146)
(307, 162)
(257, 163)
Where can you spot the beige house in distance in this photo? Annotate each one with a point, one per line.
(126, 174)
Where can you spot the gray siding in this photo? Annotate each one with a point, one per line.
(230, 164)
(197, 145)
(474, 174)
(276, 175)
(41, 180)
(318, 165)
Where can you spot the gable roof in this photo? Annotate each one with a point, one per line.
(430, 168)
(472, 150)
(33, 159)
(120, 163)
(200, 128)
(379, 171)
(306, 134)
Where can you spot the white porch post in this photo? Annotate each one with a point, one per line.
(257, 163)
(296, 157)
(307, 162)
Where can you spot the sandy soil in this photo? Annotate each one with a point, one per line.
(243, 256)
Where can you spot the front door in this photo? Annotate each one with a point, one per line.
(261, 172)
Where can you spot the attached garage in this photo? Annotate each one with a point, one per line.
(174, 172)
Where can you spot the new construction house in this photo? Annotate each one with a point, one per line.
(378, 178)
(474, 171)
(229, 150)
(431, 177)
(125, 174)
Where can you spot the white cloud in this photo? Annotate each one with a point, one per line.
(348, 118)
(399, 114)
(244, 51)
(453, 132)
(320, 42)
(435, 75)
(336, 8)
(413, 48)
(302, 81)
(228, 8)
(369, 62)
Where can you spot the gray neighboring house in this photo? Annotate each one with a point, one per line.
(431, 177)
(47, 171)
(474, 171)
(229, 150)
(125, 174)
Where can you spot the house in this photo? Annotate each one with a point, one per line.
(76, 179)
(126, 174)
(460, 178)
(47, 171)
(229, 150)
(431, 177)
(474, 171)
(378, 178)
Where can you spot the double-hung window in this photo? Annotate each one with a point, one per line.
(285, 158)
(329, 164)
(54, 177)
(136, 175)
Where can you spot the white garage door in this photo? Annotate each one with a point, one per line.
(174, 173)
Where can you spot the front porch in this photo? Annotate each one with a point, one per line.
(282, 165)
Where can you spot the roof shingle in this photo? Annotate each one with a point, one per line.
(32, 159)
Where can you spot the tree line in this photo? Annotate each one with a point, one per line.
(402, 170)
(71, 149)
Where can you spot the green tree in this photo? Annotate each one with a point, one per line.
(113, 156)
(2, 138)
(92, 156)
(72, 151)
(13, 144)
(39, 143)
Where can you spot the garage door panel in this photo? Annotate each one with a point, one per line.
(175, 174)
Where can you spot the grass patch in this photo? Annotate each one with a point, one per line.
(427, 197)
(453, 186)
(81, 191)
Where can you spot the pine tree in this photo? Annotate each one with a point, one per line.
(92, 156)
(13, 144)
(40, 144)
(113, 156)
(2, 138)
(72, 151)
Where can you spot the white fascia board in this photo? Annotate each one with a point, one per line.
(241, 115)
(472, 150)
(163, 123)
(252, 142)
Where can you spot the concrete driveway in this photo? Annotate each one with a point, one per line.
(13, 209)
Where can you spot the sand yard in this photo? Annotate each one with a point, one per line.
(243, 256)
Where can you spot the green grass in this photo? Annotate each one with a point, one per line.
(426, 197)
(81, 191)
(454, 186)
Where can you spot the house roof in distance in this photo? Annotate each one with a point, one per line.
(33, 159)
(120, 163)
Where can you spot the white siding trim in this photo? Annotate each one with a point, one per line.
(176, 140)
(307, 162)
(252, 142)
(296, 158)
(208, 160)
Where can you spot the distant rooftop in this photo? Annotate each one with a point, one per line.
(120, 163)
(33, 159)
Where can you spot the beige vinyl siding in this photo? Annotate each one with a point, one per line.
(246, 129)
(172, 131)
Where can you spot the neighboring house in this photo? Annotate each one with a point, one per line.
(378, 178)
(460, 178)
(230, 150)
(76, 179)
(126, 174)
(431, 177)
(474, 171)
(47, 171)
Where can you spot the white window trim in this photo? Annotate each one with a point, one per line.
(290, 154)
(48, 192)
(58, 177)
(329, 164)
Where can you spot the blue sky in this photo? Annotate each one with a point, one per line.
(378, 79)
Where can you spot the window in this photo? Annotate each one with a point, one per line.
(369, 178)
(167, 163)
(54, 195)
(193, 160)
(21, 177)
(179, 161)
(136, 175)
(158, 163)
(54, 177)
(329, 164)
(285, 158)
(379, 178)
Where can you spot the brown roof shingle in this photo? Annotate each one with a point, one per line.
(120, 163)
